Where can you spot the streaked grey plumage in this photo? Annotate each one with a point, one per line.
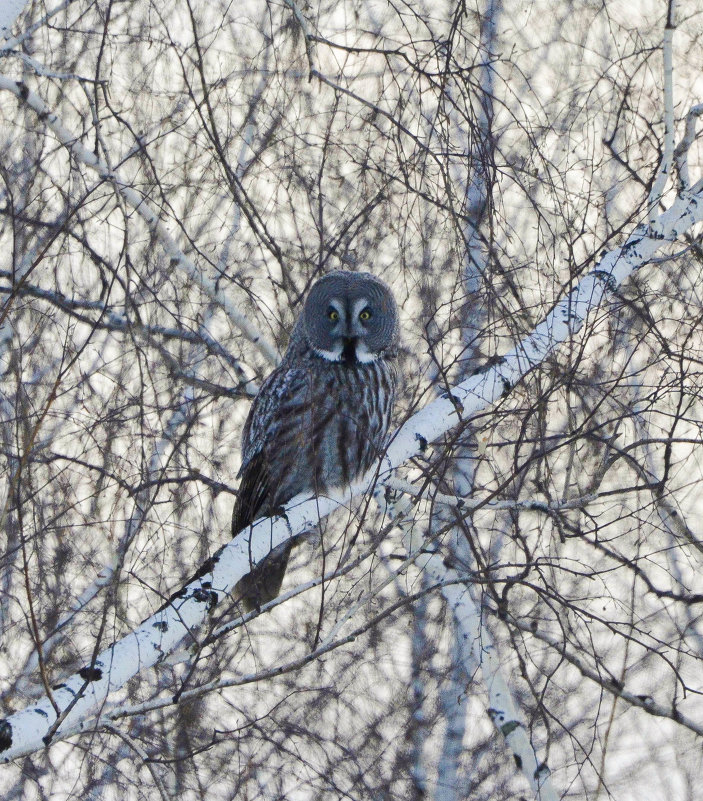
(322, 417)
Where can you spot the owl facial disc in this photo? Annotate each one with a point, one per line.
(351, 318)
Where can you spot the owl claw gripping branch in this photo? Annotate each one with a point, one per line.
(322, 417)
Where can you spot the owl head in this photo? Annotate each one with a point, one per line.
(350, 317)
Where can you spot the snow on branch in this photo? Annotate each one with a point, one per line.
(65, 712)
(140, 204)
(67, 709)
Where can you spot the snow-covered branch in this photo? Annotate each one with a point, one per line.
(465, 505)
(683, 148)
(26, 731)
(477, 652)
(36, 726)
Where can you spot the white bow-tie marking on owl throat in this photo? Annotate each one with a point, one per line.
(361, 352)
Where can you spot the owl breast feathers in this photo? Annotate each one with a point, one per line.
(321, 419)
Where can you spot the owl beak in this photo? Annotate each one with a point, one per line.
(349, 350)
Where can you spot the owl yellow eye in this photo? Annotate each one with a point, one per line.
(333, 314)
(365, 315)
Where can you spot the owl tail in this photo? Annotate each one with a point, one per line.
(263, 584)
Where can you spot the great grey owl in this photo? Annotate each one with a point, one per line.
(321, 418)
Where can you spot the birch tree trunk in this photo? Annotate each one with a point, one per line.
(508, 605)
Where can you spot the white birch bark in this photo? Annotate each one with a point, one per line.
(502, 709)
(476, 186)
(72, 701)
(474, 652)
(664, 172)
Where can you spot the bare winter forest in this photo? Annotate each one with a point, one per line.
(510, 605)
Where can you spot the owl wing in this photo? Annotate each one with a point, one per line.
(253, 492)
(278, 397)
